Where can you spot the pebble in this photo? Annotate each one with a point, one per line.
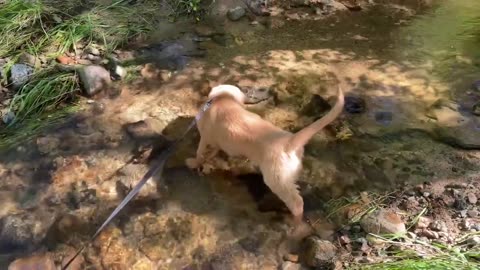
(472, 198)
(291, 266)
(472, 213)
(439, 226)
(236, 13)
(423, 223)
(318, 253)
(383, 221)
(93, 51)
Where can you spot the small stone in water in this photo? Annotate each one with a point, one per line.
(384, 117)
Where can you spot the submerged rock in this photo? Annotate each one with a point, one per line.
(35, 262)
(94, 78)
(354, 104)
(22, 231)
(317, 106)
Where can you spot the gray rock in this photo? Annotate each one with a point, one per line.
(23, 231)
(94, 78)
(8, 117)
(236, 13)
(19, 75)
(383, 221)
(318, 253)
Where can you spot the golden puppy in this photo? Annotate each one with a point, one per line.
(227, 126)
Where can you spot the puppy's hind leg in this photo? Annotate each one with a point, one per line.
(283, 185)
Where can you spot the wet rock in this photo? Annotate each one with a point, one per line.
(113, 249)
(205, 31)
(94, 78)
(474, 241)
(35, 262)
(423, 223)
(26, 58)
(48, 145)
(439, 226)
(472, 198)
(236, 13)
(128, 177)
(317, 106)
(65, 228)
(476, 109)
(355, 104)
(383, 221)
(23, 231)
(461, 136)
(19, 75)
(141, 130)
(318, 253)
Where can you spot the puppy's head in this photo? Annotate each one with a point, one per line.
(227, 89)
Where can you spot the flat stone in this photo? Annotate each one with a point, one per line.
(94, 79)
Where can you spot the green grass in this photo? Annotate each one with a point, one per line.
(11, 137)
(44, 92)
(20, 25)
(436, 263)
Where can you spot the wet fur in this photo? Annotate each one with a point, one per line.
(228, 126)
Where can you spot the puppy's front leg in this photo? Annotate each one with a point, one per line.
(194, 163)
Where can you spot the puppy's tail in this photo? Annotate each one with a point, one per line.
(302, 137)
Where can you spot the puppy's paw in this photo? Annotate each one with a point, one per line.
(192, 163)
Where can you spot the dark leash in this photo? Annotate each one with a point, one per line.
(158, 167)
